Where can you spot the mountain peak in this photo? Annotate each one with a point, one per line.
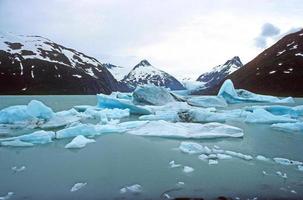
(143, 63)
(235, 60)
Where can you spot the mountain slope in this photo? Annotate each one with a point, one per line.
(218, 73)
(276, 71)
(145, 73)
(36, 65)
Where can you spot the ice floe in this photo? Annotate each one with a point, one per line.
(288, 127)
(262, 158)
(231, 95)
(285, 161)
(239, 155)
(262, 116)
(17, 143)
(151, 95)
(80, 129)
(39, 110)
(186, 130)
(282, 175)
(106, 101)
(79, 142)
(77, 187)
(135, 189)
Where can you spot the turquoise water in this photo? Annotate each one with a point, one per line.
(117, 160)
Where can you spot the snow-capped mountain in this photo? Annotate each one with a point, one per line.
(37, 65)
(145, 73)
(218, 73)
(117, 71)
(277, 71)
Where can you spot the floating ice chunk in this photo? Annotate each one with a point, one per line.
(200, 115)
(293, 191)
(151, 95)
(283, 175)
(207, 101)
(77, 187)
(83, 108)
(135, 189)
(262, 158)
(180, 183)
(265, 173)
(191, 148)
(262, 116)
(79, 142)
(105, 101)
(276, 110)
(186, 130)
(203, 157)
(286, 100)
(239, 155)
(8, 196)
(300, 167)
(39, 110)
(38, 137)
(221, 156)
(170, 116)
(285, 161)
(212, 162)
(18, 169)
(109, 114)
(17, 143)
(187, 169)
(173, 164)
(81, 129)
(288, 127)
(122, 95)
(63, 118)
(231, 95)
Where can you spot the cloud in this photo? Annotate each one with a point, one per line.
(268, 31)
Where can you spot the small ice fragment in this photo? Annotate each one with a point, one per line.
(265, 173)
(78, 186)
(239, 155)
(20, 169)
(300, 167)
(212, 156)
(79, 142)
(262, 158)
(8, 196)
(216, 147)
(281, 174)
(293, 191)
(188, 169)
(173, 164)
(191, 147)
(136, 188)
(285, 161)
(166, 196)
(221, 156)
(212, 162)
(180, 183)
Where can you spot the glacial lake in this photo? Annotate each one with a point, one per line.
(118, 160)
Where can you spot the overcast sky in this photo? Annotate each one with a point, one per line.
(182, 37)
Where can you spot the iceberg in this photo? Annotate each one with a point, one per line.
(262, 158)
(18, 169)
(77, 187)
(39, 110)
(288, 127)
(79, 142)
(282, 175)
(262, 116)
(109, 114)
(200, 116)
(151, 95)
(277, 110)
(285, 161)
(231, 95)
(105, 101)
(186, 130)
(207, 101)
(212, 162)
